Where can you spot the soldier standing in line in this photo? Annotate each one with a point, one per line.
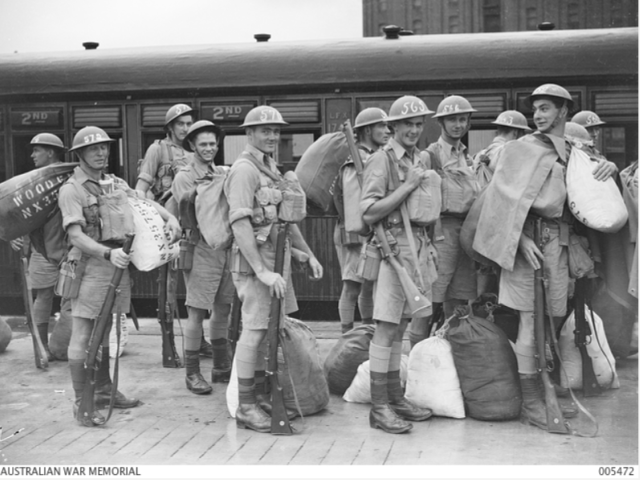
(86, 228)
(591, 121)
(380, 202)
(253, 196)
(48, 149)
(208, 282)
(372, 133)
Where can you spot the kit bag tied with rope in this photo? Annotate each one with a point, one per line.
(487, 368)
(293, 207)
(349, 352)
(603, 361)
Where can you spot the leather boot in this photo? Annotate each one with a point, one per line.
(533, 411)
(78, 377)
(194, 379)
(346, 327)
(400, 404)
(381, 415)
(43, 331)
(221, 371)
(102, 395)
(253, 417)
(206, 350)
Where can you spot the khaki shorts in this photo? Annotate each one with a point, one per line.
(390, 304)
(516, 287)
(209, 280)
(255, 295)
(93, 290)
(456, 270)
(42, 273)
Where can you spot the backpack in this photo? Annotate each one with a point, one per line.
(459, 186)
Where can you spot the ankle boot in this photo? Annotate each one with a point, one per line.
(533, 411)
(43, 331)
(381, 415)
(78, 377)
(253, 417)
(102, 395)
(346, 327)
(400, 404)
(194, 379)
(221, 371)
(206, 350)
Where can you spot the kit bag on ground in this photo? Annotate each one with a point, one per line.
(212, 210)
(152, 245)
(5, 335)
(319, 166)
(598, 205)
(60, 337)
(349, 352)
(487, 368)
(604, 364)
(360, 389)
(432, 379)
(28, 200)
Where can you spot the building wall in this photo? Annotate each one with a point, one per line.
(472, 16)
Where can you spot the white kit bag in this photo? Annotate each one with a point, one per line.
(151, 246)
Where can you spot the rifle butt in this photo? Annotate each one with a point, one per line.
(590, 385)
(39, 353)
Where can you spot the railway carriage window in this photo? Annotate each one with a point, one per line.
(478, 139)
(612, 143)
(532, 18)
(491, 16)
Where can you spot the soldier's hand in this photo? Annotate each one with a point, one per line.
(175, 229)
(530, 252)
(316, 268)
(277, 285)
(604, 170)
(17, 244)
(119, 258)
(415, 177)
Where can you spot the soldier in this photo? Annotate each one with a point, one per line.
(380, 202)
(537, 180)
(85, 227)
(591, 121)
(456, 283)
(511, 125)
(48, 149)
(372, 133)
(209, 281)
(255, 176)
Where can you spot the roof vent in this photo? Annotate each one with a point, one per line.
(546, 26)
(391, 32)
(262, 37)
(90, 45)
(405, 33)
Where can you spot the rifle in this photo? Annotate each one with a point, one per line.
(416, 299)
(167, 309)
(27, 295)
(582, 332)
(94, 349)
(555, 420)
(279, 421)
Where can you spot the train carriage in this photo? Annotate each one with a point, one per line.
(316, 85)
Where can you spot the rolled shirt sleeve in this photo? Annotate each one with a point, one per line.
(149, 167)
(70, 203)
(240, 188)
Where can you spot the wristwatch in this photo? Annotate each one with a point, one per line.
(107, 255)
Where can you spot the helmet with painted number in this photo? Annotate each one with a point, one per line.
(587, 119)
(551, 90)
(201, 126)
(370, 116)
(512, 119)
(89, 136)
(454, 105)
(177, 111)
(48, 140)
(576, 131)
(263, 115)
(407, 107)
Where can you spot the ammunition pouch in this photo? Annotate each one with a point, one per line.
(70, 274)
(580, 261)
(369, 262)
(238, 263)
(115, 215)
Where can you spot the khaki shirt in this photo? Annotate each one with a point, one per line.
(186, 177)
(157, 164)
(450, 156)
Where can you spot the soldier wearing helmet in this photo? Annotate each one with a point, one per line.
(48, 149)
(457, 280)
(510, 125)
(532, 188)
(208, 282)
(253, 195)
(372, 132)
(591, 121)
(165, 157)
(97, 251)
(391, 177)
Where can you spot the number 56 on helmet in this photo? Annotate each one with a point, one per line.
(407, 107)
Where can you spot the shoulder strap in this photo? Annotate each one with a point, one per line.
(169, 152)
(273, 176)
(394, 178)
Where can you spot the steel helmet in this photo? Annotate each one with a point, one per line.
(370, 116)
(575, 131)
(89, 136)
(47, 139)
(407, 106)
(453, 105)
(587, 119)
(512, 119)
(263, 115)
(551, 90)
(176, 111)
(201, 126)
